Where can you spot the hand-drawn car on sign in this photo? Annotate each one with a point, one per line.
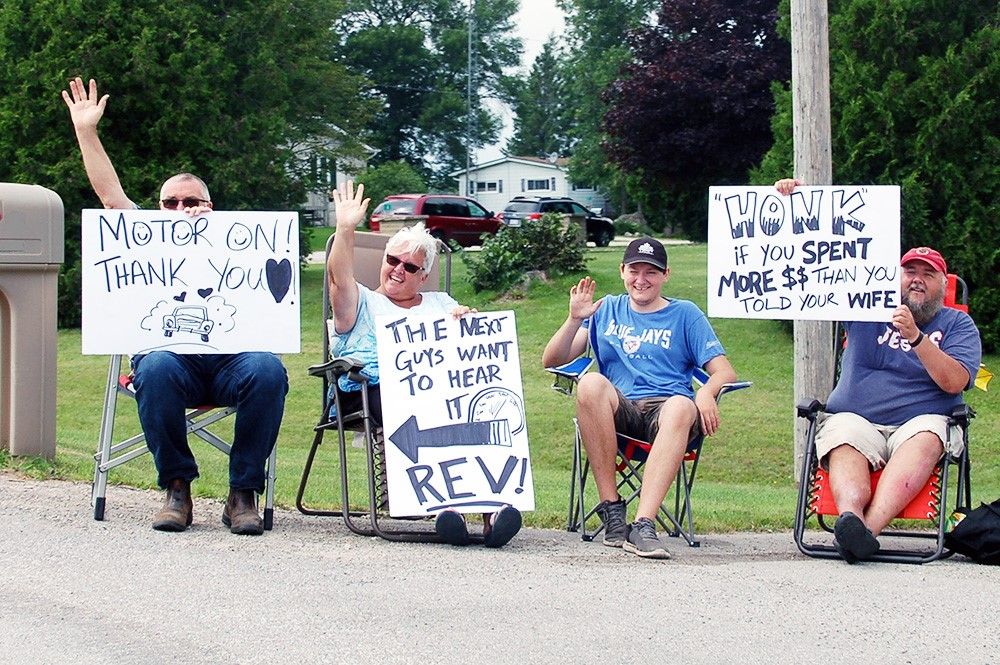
(188, 319)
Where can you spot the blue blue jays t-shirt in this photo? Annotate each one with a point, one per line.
(651, 355)
(883, 381)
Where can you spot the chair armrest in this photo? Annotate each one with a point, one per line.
(336, 367)
(808, 407)
(574, 369)
(700, 377)
(961, 415)
(732, 387)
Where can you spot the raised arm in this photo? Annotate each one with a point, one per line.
(570, 340)
(86, 110)
(947, 372)
(350, 211)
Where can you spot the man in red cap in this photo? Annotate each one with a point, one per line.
(899, 381)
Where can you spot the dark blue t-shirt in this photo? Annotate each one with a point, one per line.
(882, 379)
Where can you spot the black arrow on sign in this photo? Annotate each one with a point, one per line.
(409, 437)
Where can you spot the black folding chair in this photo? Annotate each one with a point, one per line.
(374, 520)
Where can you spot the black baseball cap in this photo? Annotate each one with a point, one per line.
(646, 250)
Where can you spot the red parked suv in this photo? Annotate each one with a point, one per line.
(447, 217)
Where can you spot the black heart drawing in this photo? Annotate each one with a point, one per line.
(181, 297)
(204, 293)
(279, 277)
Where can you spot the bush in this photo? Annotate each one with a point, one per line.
(390, 178)
(544, 245)
(632, 224)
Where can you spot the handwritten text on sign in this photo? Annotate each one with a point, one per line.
(222, 282)
(455, 431)
(822, 253)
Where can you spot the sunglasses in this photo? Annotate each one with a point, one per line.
(394, 261)
(188, 202)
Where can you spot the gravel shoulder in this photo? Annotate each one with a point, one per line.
(310, 591)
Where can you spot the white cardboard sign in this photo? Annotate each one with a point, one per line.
(453, 409)
(822, 253)
(222, 282)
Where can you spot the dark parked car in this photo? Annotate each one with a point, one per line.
(600, 230)
(447, 217)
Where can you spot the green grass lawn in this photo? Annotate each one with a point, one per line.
(745, 480)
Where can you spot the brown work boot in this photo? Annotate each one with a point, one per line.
(175, 515)
(240, 513)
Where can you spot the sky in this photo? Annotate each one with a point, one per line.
(536, 21)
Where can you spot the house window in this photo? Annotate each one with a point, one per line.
(486, 186)
(587, 187)
(534, 185)
(327, 171)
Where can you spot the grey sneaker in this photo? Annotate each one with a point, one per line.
(641, 539)
(612, 514)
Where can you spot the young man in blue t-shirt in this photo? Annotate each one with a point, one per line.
(647, 347)
(899, 382)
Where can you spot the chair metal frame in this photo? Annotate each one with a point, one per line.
(374, 521)
(931, 503)
(110, 454)
(629, 464)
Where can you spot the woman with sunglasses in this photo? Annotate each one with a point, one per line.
(409, 256)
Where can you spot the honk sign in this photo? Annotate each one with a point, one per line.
(821, 253)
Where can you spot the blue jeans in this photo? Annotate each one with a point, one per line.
(166, 383)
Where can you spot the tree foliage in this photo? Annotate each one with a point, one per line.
(596, 33)
(913, 94)
(693, 106)
(539, 103)
(390, 178)
(226, 90)
(414, 54)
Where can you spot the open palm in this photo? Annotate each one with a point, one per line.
(351, 205)
(85, 107)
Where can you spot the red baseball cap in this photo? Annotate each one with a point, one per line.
(931, 257)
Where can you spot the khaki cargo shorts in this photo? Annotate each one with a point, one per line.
(879, 442)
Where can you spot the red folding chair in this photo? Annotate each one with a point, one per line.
(931, 503)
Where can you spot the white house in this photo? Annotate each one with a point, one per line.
(495, 183)
(328, 173)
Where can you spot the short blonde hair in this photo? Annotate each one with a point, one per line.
(414, 239)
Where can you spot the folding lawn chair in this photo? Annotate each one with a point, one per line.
(369, 249)
(632, 454)
(931, 503)
(110, 454)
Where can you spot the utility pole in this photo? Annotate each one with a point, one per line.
(813, 165)
(470, 121)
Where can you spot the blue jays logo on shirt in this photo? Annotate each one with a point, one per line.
(631, 342)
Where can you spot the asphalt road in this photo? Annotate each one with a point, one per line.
(76, 590)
